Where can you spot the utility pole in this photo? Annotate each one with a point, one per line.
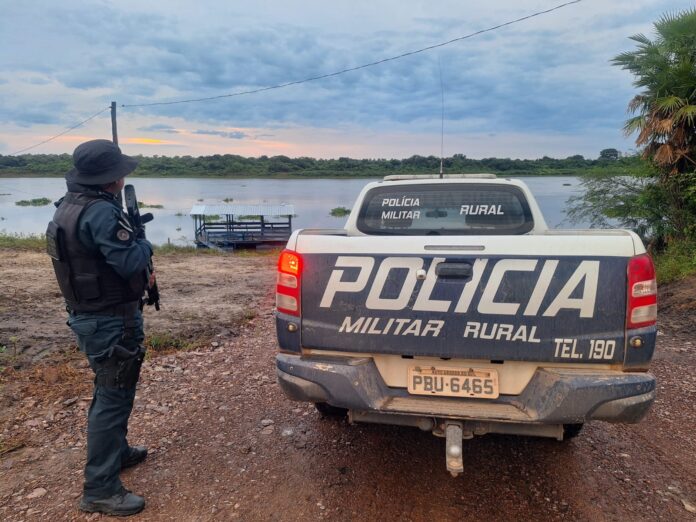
(114, 138)
(114, 131)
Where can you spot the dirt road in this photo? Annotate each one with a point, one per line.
(226, 444)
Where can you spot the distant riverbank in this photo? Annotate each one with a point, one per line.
(228, 166)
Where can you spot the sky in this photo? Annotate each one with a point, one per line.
(541, 87)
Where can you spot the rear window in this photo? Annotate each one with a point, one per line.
(445, 209)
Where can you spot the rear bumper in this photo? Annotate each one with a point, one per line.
(553, 396)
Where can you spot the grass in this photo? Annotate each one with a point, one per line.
(158, 343)
(677, 262)
(147, 205)
(36, 202)
(33, 242)
(339, 212)
(261, 252)
(37, 243)
(169, 249)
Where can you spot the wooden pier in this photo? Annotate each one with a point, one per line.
(226, 227)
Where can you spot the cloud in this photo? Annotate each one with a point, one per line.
(159, 127)
(233, 135)
(544, 76)
(29, 115)
(150, 142)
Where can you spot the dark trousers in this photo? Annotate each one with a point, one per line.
(107, 421)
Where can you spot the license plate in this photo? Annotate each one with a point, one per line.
(453, 382)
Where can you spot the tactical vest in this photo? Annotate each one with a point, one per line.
(86, 281)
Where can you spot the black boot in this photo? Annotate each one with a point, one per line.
(136, 454)
(122, 504)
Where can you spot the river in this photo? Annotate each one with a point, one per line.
(312, 198)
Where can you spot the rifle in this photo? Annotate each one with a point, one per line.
(138, 223)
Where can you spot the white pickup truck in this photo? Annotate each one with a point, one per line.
(447, 304)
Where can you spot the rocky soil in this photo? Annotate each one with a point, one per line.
(226, 444)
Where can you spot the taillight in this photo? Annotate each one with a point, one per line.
(288, 282)
(641, 308)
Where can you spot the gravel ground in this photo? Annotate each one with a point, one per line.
(226, 444)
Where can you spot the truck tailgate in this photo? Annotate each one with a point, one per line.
(480, 297)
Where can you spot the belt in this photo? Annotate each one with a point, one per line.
(123, 309)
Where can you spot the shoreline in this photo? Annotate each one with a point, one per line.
(579, 174)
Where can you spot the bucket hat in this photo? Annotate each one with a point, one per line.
(98, 162)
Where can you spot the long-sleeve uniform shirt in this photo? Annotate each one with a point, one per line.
(105, 229)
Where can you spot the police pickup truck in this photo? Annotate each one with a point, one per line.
(447, 304)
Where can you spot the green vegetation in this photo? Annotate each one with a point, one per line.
(212, 218)
(229, 165)
(676, 261)
(34, 242)
(339, 212)
(228, 200)
(36, 202)
(146, 205)
(170, 249)
(657, 200)
(165, 342)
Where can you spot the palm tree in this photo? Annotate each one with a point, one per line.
(665, 70)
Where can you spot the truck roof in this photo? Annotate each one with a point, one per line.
(400, 177)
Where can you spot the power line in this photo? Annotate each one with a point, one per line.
(62, 133)
(13, 189)
(351, 69)
(310, 79)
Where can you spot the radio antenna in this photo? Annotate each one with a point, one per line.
(442, 129)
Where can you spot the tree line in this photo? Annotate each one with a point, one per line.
(230, 165)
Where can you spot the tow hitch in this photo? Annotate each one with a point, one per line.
(454, 436)
(455, 432)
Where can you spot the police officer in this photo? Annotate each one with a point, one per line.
(101, 267)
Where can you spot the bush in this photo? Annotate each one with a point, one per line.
(36, 202)
(339, 212)
(660, 211)
(676, 262)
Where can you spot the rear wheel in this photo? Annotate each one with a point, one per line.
(327, 410)
(570, 431)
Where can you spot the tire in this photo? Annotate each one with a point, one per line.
(570, 431)
(327, 410)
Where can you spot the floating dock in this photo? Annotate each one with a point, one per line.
(226, 227)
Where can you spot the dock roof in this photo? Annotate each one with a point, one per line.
(243, 210)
